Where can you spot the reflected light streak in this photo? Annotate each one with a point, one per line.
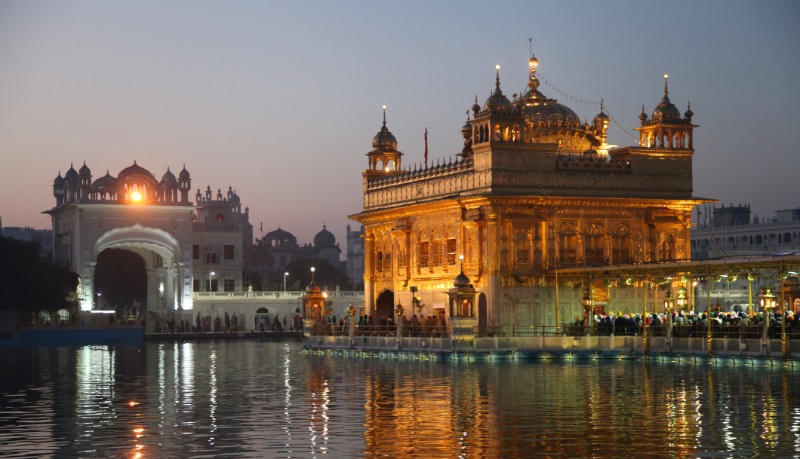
(187, 374)
(212, 395)
(161, 381)
(287, 383)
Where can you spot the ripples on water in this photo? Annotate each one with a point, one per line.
(266, 399)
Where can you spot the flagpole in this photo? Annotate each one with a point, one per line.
(426, 147)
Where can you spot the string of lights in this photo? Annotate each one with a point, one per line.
(586, 102)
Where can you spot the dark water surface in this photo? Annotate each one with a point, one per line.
(268, 399)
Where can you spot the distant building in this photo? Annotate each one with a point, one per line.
(728, 232)
(534, 189)
(42, 237)
(277, 249)
(183, 246)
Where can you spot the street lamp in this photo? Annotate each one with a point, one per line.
(210, 275)
(669, 304)
(284, 280)
(682, 298)
(767, 303)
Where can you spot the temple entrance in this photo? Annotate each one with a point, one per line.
(384, 306)
(121, 284)
(482, 315)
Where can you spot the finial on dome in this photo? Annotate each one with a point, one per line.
(384, 116)
(666, 89)
(497, 80)
(602, 105)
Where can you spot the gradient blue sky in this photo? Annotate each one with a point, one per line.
(281, 99)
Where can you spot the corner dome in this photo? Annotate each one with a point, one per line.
(497, 100)
(84, 170)
(105, 181)
(384, 140)
(666, 112)
(71, 174)
(169, 179)
(184, 174)
(324, 238)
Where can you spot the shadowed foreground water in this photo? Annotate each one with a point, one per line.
(268, 399)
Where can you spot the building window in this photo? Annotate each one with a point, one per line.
(229, 253)
(451, 251)
(196, 285)
(593, 251)
(424, 254)
(567, 247)
(195, 252)
(379, 262)
(401, 259)
(211, 258)
(211, 285)
(229, 285)
(620, 250)
(437, 255)
(387, 262)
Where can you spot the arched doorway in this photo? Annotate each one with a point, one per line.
(167, 279)
(483, 322)
(384, 306)
(121, 283)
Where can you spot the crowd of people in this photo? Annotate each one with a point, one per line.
(686, 323)
(227, 323)
(385, 325)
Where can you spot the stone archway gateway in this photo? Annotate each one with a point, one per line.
(168, 275)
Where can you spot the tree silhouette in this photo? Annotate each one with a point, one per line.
(29, 284)
(326, 276)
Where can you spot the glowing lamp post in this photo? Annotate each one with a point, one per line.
(669, 305)
(767, 304)
(682, 302)
(285, 275)
(588, 302)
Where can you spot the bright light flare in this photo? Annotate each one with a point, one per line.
(133, 403)
(136, 196)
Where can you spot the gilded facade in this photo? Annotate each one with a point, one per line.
(533, 190)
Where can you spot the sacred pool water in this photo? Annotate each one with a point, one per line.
(271, 399)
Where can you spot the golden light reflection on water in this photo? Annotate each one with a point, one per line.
(254, 399)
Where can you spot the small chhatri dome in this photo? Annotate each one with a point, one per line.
(462, 281)
(169, 178)
(184, 174)
(84, 170)
(384, 140)
(665, 111)
(497, 100)
(71, 174)
(313, 288)
(59, 180)
(324, 238)
(105, 181)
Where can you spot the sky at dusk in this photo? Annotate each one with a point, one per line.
(280, 100)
